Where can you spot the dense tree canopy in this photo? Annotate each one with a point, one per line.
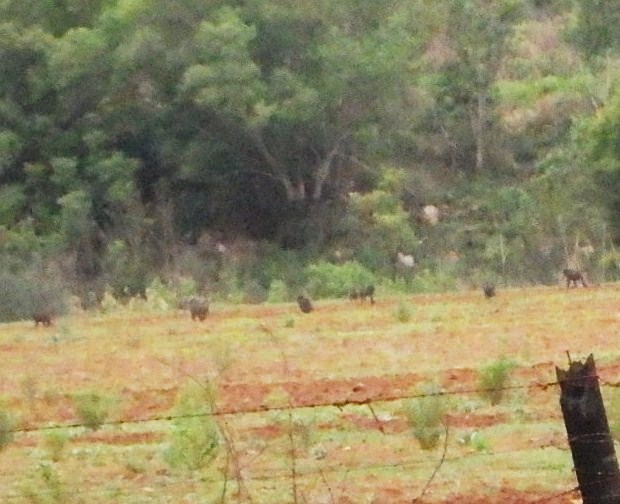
(137, 134)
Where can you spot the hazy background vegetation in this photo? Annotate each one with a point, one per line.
(253, 149)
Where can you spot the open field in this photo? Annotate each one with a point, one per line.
(307, 405)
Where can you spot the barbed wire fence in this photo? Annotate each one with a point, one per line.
(323, 473)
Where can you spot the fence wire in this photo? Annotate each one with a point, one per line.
(321, 472)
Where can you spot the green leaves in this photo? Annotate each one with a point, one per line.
(225, 78)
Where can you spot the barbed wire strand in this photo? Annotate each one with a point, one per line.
(341, 404)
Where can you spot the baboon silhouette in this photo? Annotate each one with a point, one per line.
(43, 318)
(573, 276)
(368, 292)
(362, 293)
(489, 290)
(305, 305)
(198, 307)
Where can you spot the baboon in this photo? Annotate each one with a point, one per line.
(489, 290)
(43, 318)
(353, 294)
(304, 304)
(198, 307)
(90, 300)
(363, 293)
(368, 292)
(573, 276)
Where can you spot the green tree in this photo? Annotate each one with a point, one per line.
(595, 31)
(465, 59)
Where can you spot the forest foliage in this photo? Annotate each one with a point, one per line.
(252, 145)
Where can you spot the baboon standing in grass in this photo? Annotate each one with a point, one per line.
(363, 293)
(368, 292)
(305, 305)
(489, 290)
(43, 318)
(198, 307)
(574, 276)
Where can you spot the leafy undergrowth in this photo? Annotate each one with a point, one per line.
(307, 408)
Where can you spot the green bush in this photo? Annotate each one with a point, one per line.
(30, 292)
(45, 487)
(160, 296)
(336, 280)
(476, 441)
(433, 281)
(7, 423)
(426, 416)
(127, 271)
(278, 292)
(194, 438)
(403, 312)
(92, 408)
(494, 378)
(55, 442)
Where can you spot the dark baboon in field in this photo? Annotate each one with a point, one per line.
(43, 318)
(368, 292)
(353, 294)
(304, 304)
(362, 293)
(489, 290)
(198, 307)
(574, 276)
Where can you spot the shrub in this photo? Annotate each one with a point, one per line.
(45, 487)
(194, 438)
(493, 379)
(160, 296)
(278, 292)
(26, 293)
(433, 281)
(403, 312)
(475, 441)
(91, 408)
(426, 416)
(336, 280)
(55, 442)
(6, 429)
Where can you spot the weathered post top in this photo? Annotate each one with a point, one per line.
(589, 438)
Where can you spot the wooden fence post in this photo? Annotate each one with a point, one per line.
(590, 441)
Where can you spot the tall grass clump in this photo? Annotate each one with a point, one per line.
(194, 438)
(403, 312)
(494, 378)
(92, 408)
(611, 397)
(55, 442)
(7, 423)
(426, 415)
(45, 486)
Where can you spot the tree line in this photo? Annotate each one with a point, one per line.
(259, 146)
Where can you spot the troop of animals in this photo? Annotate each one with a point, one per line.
(198, 306)
(363, 293)
(572, 277)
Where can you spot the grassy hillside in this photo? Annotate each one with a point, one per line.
(316, 405)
